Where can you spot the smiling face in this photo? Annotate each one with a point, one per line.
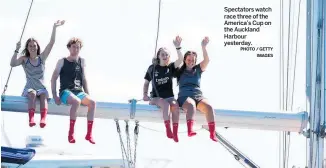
(190, 59)
(163, 56)
(32, 48)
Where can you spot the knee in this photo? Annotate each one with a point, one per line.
(32, 95)
(174, 106)
(75, 102)
(209, 107)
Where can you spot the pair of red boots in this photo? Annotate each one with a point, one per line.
(71, 138)
(190, 123)
(31, 113)
(172, 134)
(88, 136)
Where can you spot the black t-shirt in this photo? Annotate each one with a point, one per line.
(162, 76)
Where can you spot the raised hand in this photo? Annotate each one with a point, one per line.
(177, 41)
(18, 45)
(205, 42)
(59, 23)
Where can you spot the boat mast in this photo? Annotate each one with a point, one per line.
(315, 86)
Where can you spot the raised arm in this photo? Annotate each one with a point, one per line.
(177, 43)
(48, 48)
(204, 63)
(54, 78)
(14, 60)
(85, 81)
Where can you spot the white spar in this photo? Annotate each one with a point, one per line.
(275, 121)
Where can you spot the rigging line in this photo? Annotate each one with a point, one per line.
(158, 26)
(281, 42)
(288, 56)
(293, 40)
(156, 41)
(21, 36)
(296, 51)
(294, 72)
(282, 53)
(288, 150)
(306, 153)
(285, 136)
(281, 94)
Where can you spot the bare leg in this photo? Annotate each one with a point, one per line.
(165, 108)
(205, 107)
(31, 107)
(75, 104)
(43, 109)
(91, 104)
(31, 100)
(190, 106)
(175, 118)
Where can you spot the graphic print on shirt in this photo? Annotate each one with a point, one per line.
(162, 76)
(71, 75)
(77, 81)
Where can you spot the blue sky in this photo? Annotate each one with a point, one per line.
(119, 41)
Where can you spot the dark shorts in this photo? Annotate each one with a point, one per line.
(196, 98)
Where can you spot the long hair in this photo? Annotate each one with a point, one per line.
(156, 59)
(25, 52)
(180, 71)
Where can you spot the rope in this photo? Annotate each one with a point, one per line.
(288, 57)
(286, 100)
(296, 51)
(281, 72)
(294, 73)
(285, 147)
(156, 41)
(21, 36)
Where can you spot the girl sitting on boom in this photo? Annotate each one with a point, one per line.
(161, 73)
(33, 63)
